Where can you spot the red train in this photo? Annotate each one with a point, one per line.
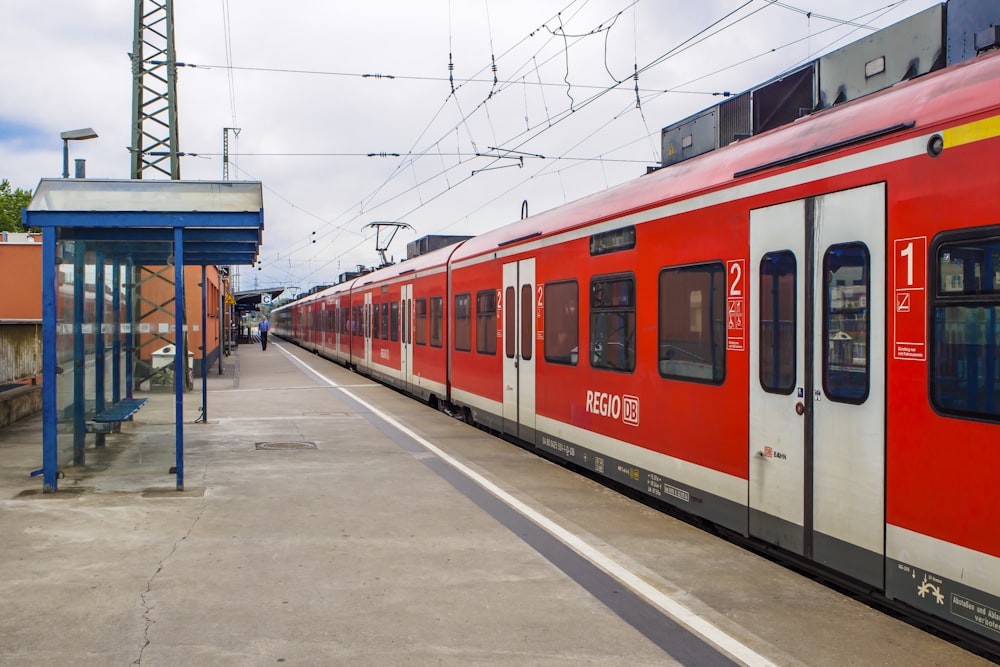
(796, 337)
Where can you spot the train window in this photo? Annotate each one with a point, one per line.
(777, 322)
(509, 320)
(527, 319)
(376, 330)
(437, 318)
(612, 323)
(562, 322)
(486, 322)
(692, 323)
(613, 241)
(846, 322)
(965, 334)
(385, 321)
(463, 322)
(394, 321)
(420, 330)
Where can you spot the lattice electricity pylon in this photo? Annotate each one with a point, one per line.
(154, 91)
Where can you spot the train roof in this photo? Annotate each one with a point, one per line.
(916, 105)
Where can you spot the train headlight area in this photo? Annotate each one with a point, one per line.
(400, 535)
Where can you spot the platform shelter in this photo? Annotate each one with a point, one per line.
(96, 234)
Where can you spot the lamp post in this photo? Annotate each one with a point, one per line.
(73, 135)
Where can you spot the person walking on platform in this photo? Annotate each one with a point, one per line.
(262, 328)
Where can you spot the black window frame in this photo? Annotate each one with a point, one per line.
(562, 317)
(435, 337)
(777, 387)
(602, 305)
(711, 310)
(834, 391)
(463, 312)
(965, 401)
(486, 322)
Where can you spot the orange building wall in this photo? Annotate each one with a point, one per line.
(21, 277)
(160, 290)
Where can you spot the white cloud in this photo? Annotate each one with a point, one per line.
(68, 67)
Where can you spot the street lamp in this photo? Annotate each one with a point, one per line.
(73, 135)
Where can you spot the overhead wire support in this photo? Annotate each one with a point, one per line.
(154, 91)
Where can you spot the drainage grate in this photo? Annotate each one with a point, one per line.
(301, 444)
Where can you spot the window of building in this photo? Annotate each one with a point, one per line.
(692, 323)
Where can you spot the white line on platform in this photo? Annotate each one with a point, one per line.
(668, 605)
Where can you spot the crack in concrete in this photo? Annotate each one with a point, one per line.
(143, 599)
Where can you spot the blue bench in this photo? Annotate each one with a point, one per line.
(111, 417)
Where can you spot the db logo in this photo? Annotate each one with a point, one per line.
(614, 406)
(630, 410)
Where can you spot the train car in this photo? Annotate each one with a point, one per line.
(795, 337)
(389, 324)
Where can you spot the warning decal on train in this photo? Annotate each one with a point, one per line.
(909, 297)
(735, 313)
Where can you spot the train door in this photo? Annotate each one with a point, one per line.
(817, 379)
(405, 338)
(518, 333)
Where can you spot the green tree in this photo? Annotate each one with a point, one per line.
(11, 203)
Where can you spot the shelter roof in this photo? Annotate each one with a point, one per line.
(220, 222)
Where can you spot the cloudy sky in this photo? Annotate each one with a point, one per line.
(317, 86)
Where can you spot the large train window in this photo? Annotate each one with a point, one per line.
(385, 321)
(437, 319)
(562, 322)
(420, 326)
(463, 322)
(965, 338)
(612, 323)
(846, 322)
(486, 322)
(777, 322)
(692, 323)
(375, 322)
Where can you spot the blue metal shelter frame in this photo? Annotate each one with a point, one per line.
(124, 225)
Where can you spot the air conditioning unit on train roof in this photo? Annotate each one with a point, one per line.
(945, 33)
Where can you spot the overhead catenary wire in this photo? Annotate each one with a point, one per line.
(532, 131)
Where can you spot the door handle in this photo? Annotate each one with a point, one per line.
(800, 408)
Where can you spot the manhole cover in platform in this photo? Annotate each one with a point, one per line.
(299, 444)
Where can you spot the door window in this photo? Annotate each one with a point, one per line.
(777, 322)
(846, 322)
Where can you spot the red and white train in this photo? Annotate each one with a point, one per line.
(796, 337)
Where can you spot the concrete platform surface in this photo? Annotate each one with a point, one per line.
(312, 531)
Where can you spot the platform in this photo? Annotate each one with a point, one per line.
(313, 530)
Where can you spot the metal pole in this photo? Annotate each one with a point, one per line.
(50, 425)
(204, 344)
(180, 356)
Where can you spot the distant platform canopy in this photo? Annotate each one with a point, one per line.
(222, 221)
